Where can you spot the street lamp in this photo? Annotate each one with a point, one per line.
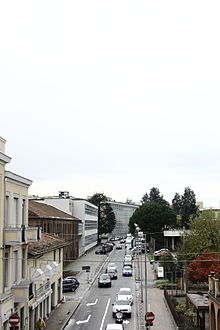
(138, 260)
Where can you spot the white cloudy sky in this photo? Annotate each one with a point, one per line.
(112, 96)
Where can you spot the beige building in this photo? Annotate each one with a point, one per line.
(45, 267)
(15, 234)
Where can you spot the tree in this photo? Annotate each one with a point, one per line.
(185, 206)
(153, 218)
(200, 268)
(203, 234)
(107, 219)
(154, 196)
(106, 216)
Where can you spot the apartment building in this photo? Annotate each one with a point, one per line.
(15, 234)
(45, 266)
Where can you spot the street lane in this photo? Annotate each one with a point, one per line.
(95, 310)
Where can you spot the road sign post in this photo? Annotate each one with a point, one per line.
(149, 318)
(14, 319)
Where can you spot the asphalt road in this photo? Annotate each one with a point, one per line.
(95, 311)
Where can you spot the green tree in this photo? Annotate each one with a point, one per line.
(153, 218)
(188, 206)
(203, 234)
(177, 203)
(154, 196)
(106, 216)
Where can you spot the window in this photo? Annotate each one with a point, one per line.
(24, 263)
(15, 266)
(15, 211)
(6, 269)
(23, 211)
(54, 255)
(6, 210)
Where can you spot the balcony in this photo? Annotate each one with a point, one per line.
(6, 306)
(21, 235)
(21, 291)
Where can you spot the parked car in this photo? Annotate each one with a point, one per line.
(127, 271)
(75, 279)
(123, 306)
(69, 284)
(101, 251)
(125, 294)
(104, 280)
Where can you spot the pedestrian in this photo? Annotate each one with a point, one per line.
(41, 324)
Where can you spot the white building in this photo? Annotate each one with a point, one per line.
(81, 209)
(122, 212)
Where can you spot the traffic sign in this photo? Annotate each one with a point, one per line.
(149, 317)
(14, 319)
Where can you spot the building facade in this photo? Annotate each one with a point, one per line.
(58, 223)
(122, 212)
(45, 268)
(15, 234)
(82, 210)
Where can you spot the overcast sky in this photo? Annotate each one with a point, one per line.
(112, 96)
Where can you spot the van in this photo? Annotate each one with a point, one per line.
(114, 326)
(112, 272)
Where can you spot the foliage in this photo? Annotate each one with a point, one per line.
(106, 215)
(107, 219)
(153, 218)
(203, 234)
(200, 268)
(185, 206)
(154, 196)
(168, 262)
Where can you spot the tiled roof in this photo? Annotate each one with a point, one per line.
(46, 244)
(37, 209)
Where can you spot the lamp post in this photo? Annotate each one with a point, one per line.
(138, 260)
(145, 269)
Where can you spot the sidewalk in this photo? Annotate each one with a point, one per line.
(61, 315)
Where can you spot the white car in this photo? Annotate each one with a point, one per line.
(114, 326)
(112, 265)
(125, 294)
(123, 306)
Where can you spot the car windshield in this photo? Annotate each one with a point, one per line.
(111, 264)
(105, 276)
(127, 268)
(124, 292)
(121, 302)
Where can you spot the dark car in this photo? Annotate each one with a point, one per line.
(104, 280)
(73, 278)
(100, 251)
(69, 284)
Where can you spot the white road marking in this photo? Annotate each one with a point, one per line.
(106, 309)
(94, 303)
(84, 321)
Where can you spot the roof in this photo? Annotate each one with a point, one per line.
(42, 210)
(47, 243)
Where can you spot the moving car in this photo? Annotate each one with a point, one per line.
(69, 284)
(112, 265)
(127, 271)
(112, 272)
(125, 294)
(114, 326)
(123, 306)
(118, 247)
(104, 280)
